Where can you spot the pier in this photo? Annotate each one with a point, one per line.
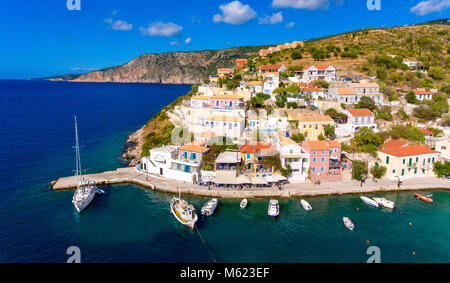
(132, 176)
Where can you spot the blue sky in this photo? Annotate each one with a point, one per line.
(44, 38)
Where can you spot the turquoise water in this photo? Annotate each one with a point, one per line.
(133, 224)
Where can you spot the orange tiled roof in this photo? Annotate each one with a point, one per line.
(422, 92)
(321, 145)
(410, 150)
(312, 89)
(313, 118)
(193, 147)
(360, 112)
(364, 85)
(344, 91)
(427, 132)
(394, 143)
(256, 148)
(270, 67)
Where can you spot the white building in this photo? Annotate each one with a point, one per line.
(200, 101)
(357, 119)
(224, 125)
(365, 88)
(267, 124)
(423, 95)
(255, 87)
(350, 96)
(177, 163)
(271, 82)
(313, 73)
(291, 154)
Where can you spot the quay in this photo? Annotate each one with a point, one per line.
(131, 175)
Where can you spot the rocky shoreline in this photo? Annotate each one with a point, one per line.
(133, 147)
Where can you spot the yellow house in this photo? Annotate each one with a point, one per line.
(407, 161)
(311, 125)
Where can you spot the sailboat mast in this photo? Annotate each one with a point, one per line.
(77, 154)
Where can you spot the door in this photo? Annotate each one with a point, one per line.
(161, 171)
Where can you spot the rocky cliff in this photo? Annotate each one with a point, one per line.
(168, 68)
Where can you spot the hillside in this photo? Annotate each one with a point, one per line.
(168, 68)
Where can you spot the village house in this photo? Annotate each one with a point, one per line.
(325, 160)
(225, 125)
(253, 156)
(200, 101)
(423, 95)
(271, 82)
(313, 92)
(313, 73)
(350, 96)
(255, 86)
(241, 63)
(272, 69)
(365, 88)
(227, 101)
(292, 156)
(177, 163)
(222, 72)
(311, 125)
(407, 161)
(267, 125)
(357, 119)
(442, 145)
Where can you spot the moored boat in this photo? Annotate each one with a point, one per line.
(274, 208)
(424, 198)
(369, 201)
(385, 203)
(183, 212)
(244, 203)
(209, 207)
(348, 223)
(305, 205)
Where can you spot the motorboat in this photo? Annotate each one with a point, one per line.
(424, 198)
(244, 203)
(306, 204)
(209, 207)
(385, 203)
(348, 223)
(274, 208)
(369, 201)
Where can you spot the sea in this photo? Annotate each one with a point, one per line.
(130, 223)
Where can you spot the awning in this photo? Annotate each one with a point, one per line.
(279, 178)
(270, 179)
(334, 158)
(243, 180)
(258, 181)
(225, 177)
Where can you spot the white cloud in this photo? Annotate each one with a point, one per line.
(174, 43)
(274, 19)
(188, 40)
(161, 29)
(430, 6)
(290, 25)
(301, 4)
(119, 25)
(234, 13)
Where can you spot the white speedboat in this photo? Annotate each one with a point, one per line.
(305, 205)
(274, 208)
(244, 203)
(369, 201)
(209, 207)
(385, 203)
(348, 223)
(86, 189)
(183, 212)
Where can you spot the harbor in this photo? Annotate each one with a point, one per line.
(133, 176)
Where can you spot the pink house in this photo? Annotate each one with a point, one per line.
(227, 101)
(325, 160)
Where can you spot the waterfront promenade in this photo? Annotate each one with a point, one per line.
(131, 175)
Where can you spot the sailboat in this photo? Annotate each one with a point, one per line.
(86, 189)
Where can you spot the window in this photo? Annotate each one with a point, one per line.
(322, 169)
(404, 161)
(230, 126)
(314, 159)
(185, 155)
(291, 151)
(324, 152)
(314, 169)
(323, 159)
(314, 152)
(417, 159)
(387, 159)
(249, 156)
(403, 172)
(433, 160)
(393, 171)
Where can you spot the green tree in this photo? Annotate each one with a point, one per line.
(378, 171)
(366, 103)
(321, 137)
(366, 140)
(441, 169)
(298, 138)
(410, 133)
(437, 73)
(329, 131)
(359, 170)
(231, 85)
(411, 97)
(296, 54)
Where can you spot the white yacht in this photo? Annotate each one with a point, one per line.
(385, 203)
(86, 189)
(274, 208)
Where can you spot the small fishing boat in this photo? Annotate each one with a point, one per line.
(385, 203)
(244, 203)
(305, 205)
(274, 208)
(183, 212)
(424, 198)
(209, 207)
(369, 201)
(348, 223)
